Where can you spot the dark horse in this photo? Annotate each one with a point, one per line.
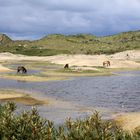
(66, 66)
(106, 63)
(21, 69)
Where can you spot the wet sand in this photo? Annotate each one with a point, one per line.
(19, 97)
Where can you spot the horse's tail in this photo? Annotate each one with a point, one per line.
(109, 63)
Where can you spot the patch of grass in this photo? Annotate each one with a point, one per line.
(75, 73)
(69, 70)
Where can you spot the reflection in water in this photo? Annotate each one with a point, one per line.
(116, 93)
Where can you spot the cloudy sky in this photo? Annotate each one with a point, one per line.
(32, 19)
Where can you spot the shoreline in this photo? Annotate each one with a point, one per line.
(83, 65)
(19, 97)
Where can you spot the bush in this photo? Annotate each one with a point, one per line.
(30, 126)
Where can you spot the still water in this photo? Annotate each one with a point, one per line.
(78, 97)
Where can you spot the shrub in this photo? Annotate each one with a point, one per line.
(88, 52)
(28, 125)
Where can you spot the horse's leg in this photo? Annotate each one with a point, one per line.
(18, 70)
(23, 71)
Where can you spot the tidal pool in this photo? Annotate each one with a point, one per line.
(78, 97)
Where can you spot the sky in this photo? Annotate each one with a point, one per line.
(32, 19)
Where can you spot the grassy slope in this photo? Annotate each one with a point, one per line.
(73, 44)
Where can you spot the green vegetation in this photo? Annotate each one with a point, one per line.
(30, 126)
(74, 71)
(72, 44)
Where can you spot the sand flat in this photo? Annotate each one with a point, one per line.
(129, 121)
(19, 97)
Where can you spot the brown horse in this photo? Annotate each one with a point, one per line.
(106, 63)
(66, 66)
(21, 69)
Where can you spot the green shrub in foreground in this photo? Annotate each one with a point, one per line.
(30, 126)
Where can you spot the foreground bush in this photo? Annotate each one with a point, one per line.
(30, 126)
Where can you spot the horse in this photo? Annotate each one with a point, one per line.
(66, 66)
(106, 63)
(21, 69)
(127, 56)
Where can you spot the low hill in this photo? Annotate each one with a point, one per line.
(4, 39)
(73, 44)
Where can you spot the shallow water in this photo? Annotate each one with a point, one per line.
(119, 93)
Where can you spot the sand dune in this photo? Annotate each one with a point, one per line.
(127, 59)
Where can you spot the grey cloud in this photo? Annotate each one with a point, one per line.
(34, 18)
